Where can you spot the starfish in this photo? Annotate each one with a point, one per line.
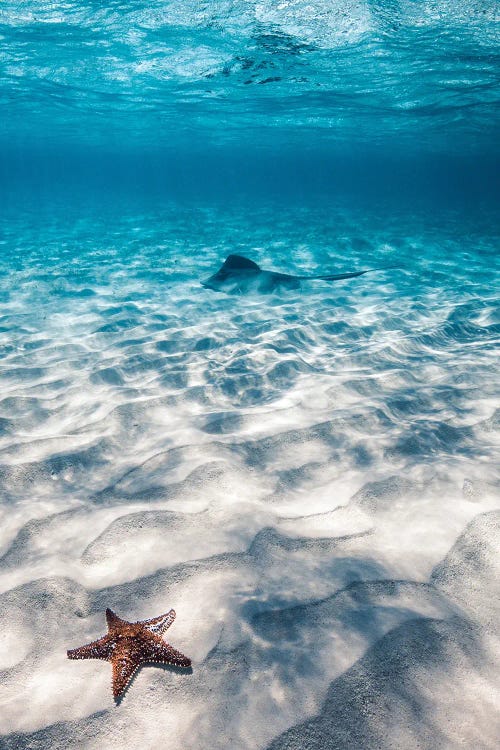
(127, 645)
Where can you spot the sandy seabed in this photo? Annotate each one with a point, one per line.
(308, 480)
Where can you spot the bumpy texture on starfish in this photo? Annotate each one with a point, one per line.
(130, 644)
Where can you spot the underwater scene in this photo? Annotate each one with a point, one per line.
(249, 381)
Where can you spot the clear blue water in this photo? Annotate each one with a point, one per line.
(148, 424)
(164, 73)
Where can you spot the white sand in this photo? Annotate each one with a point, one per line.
(310, 486)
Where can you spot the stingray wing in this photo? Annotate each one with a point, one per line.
(238, 263)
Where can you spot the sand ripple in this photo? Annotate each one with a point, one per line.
(307, 479)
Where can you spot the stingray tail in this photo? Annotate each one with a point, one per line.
(340, 276)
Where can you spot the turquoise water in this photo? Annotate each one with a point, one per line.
(102, 307)
(290, 471)
(163, 73)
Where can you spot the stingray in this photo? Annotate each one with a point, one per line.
(239, 275)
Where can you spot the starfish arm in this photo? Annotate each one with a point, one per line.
(114, 622)
(101, 649)
(158, 625)
(162, 653)
(123, 671)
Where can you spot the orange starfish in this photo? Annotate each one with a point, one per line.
(127, 645)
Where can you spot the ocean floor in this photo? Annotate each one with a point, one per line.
(308, 478)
